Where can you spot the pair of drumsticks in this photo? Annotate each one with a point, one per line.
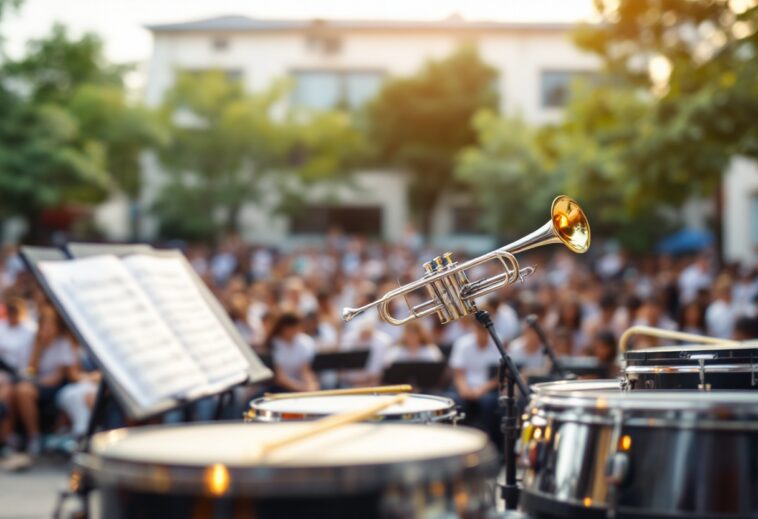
(334, 421)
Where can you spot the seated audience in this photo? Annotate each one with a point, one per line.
(378, 343)
(48, 366)
(473, 360)
(292, 352)
(414, 346)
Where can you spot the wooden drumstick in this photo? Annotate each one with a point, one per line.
(670, 334)
(327, 424)
(378, 390)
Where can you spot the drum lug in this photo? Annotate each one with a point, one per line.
(702, 386)
(617, 469)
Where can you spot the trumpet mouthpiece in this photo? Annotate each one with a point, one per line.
(348, 314)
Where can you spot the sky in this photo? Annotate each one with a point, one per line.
(121, 22)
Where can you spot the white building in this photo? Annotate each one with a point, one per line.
(338, 61)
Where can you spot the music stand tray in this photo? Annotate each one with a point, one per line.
(339, 360)
(419, 374)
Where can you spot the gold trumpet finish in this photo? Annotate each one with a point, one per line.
(451, 293)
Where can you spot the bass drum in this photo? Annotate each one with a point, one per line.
(415, 408)
(692, 367)
(371, 471)
(591, 450)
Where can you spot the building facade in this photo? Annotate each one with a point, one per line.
(345, 62)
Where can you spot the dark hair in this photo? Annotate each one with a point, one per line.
(608, 301)
(607, 338)
(746, 328)
(284, 321)
(700, 316)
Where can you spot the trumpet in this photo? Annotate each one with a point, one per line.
(452, 295)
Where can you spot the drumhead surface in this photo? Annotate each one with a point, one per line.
(346, 403)
(356, 456)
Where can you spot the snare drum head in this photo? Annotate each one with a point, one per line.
(421, 407)
(365, 455)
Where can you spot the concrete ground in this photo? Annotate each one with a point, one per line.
(32, 494)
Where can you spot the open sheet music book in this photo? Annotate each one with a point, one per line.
(151, 327)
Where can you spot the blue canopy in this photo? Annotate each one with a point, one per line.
(686, 240)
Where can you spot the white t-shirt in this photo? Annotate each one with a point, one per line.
(290, 357)
(474, 360)
(720, 317)
(378, 345)
(506, 323)
(524, 359)
(426, 353)
(16, 342)
(60, 353)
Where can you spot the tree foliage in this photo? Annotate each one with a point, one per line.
(68, 133)
(228, 148)
(420, 123)
(677, 98)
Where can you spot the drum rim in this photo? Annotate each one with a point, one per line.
(276, 481)
(602, 397)
(693, 368)
(658, 353)
(438, 415)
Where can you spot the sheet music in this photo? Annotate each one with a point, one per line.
(177, 298)
(124, 329)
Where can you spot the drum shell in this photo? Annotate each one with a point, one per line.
(395, 490)
(687, 462)
(692, 367)
(439, 410)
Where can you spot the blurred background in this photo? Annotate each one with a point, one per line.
(311, 155)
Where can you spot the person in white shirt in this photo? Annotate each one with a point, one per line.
(16, 334)
(50, 363)
(292, 352)
(378, 344)
(721, 314)
(414, 346)
(694, 278)
(472, 360)
(526, 352)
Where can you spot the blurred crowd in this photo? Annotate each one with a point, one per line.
(287, 306)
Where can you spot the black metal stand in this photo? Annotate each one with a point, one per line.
(547, 349)
(78, 486)
(508, 377)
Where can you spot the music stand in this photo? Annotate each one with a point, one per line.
(109, 386)
(340, 360)
(422, 375)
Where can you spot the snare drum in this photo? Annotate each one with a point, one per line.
(590, 450)
(359, 470)
(692, 367)
(415, 408)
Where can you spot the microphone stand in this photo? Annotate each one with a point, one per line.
(509, 377)
(547, 349)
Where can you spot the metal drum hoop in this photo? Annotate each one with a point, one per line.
(447, 414)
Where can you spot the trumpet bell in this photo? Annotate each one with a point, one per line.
(570, 224)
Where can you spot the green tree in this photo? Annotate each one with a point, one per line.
(420, 123)
(509, 173)
(69, 128)
(675, 100)
(228, 148)
(689, 71)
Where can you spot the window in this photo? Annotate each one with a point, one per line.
(556, 85)
(317, 219)
(326, 89)
(220, 44)
(754, 220)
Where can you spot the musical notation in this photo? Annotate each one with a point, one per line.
(170, 287)
(124, 329)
